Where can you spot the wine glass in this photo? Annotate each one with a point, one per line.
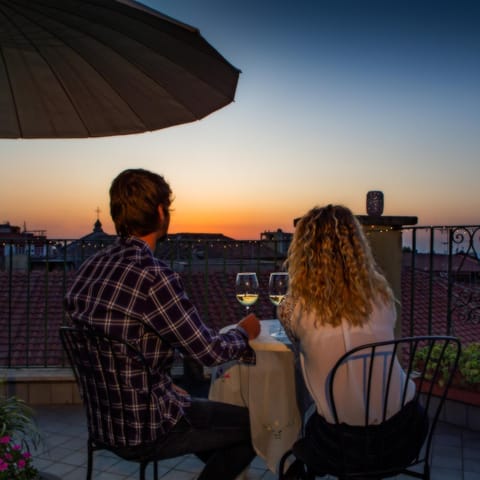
(277, 287)
(246, 288)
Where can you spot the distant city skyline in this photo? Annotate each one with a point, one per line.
(94, 226)
(463, 241)
(335, 98)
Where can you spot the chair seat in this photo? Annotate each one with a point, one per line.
(136, 453)
(388, 447)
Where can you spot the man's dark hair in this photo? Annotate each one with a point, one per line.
(135, 195)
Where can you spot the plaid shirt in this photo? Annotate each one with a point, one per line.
(127, 293)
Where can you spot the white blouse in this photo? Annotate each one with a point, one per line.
(321, 347)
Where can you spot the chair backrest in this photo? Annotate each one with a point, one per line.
(429, 362)
(100, 363)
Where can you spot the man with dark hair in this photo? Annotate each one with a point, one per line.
(126, 292)
(135, 198)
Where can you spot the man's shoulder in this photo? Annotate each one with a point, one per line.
(131, 256)
(157, 268)
(142, 258)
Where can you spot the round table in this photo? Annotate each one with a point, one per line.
(267, 389)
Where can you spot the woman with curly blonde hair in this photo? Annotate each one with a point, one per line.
(338, 299)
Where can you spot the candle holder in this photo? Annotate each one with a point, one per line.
(375, 203)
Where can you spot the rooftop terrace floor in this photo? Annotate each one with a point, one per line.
(456, 454)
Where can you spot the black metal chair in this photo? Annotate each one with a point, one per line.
(98, 361)
(401, 444)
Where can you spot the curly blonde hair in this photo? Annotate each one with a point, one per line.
(331, 267)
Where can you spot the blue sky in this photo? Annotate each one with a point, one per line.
(335, 98)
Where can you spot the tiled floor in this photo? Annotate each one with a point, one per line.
(63, 453)
(456, 453)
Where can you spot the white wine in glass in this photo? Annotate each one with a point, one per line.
(277, 287)
(246, 288)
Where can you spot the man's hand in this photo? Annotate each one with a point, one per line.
(251, 325)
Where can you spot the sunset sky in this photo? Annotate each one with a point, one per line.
(335, 98)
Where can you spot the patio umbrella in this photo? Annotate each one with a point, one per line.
(91, 68)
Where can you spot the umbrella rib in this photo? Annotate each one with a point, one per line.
(54, 73)
(9, 80)
(151, 11)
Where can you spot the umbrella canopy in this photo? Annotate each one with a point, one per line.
(91, 68)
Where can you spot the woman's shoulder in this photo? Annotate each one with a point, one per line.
(383, 305)
(384, 312)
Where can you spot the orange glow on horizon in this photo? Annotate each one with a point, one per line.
(63, 213)
(75, 226)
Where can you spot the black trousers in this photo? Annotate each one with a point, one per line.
(334, 448)
(218, 433)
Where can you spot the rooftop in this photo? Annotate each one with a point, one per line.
(28, 299)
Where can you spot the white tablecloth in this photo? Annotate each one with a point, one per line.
(268, 390)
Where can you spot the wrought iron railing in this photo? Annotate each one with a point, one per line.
(440, 291)
(441, 281)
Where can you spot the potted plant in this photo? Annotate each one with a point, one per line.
(469, 367)
(18, 434)
(466, 382)
(445, 367)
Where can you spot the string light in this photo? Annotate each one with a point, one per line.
(376, 229)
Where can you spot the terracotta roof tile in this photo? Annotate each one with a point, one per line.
(33, 328)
